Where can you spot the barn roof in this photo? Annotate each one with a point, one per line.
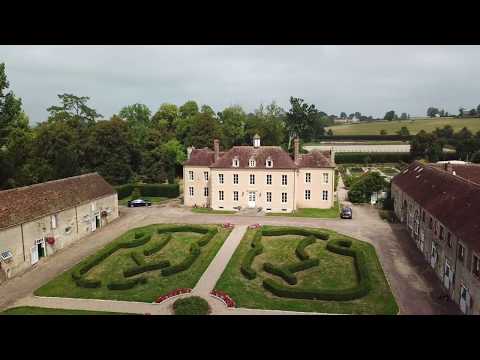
(24, 204)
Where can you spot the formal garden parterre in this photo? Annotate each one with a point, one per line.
(142, 264)
(304, 269)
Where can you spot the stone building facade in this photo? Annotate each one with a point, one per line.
(440, 206)
(262, 177)
(38, 220)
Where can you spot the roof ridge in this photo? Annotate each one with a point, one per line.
(48, 182)
(446, 173)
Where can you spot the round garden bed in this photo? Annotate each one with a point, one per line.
(193, 305)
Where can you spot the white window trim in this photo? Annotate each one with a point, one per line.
(221, 198)
(310, 178)
(328, 178)
(191, 191)
(271, 163)
(233, 179)
(191, 175)
(252, 163)
(250, 177)
(286, 180)
(222, 177)
(268, 193)
(323, 195)
(309, 194)
(286, 197)
(271, 179)
(205, 175)
(235, 193)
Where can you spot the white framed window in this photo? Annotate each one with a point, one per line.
(235, 178)
(220, 178)
(252, 179)
(325, 195)
(269, 179)
(190, 190)
(284, 197)
(53, 221)
(308, 177)
(269, 197)
(284, 179)
(235, 162)
(325, 178)
(205, 191)
(190, 175)
(252, 163)
(220, 195)
(205, 175)
(235, 196)
(269, 163)
(307, 194)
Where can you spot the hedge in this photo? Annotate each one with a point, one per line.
(126, 284)
(280, 271)
(395, 137)
(294, 231)
(185, 264)
(207, 237)
(154, 248)
(300, 250)
(137, 258)
(86, 283)
(139, 235)
(183, 228)
(302, 265)
(146, 267)
(382, 157)
(257, 249)
(155, 190)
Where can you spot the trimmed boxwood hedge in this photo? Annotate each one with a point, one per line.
(154, 190)
(302, 265)
(126, 284)
(154, 248)
(300, 250)
(280, 271)
(137, 258)
(257, 249)
(294, 231)
(183, 228)
(185, 264)
(135, 270)
(207, 237)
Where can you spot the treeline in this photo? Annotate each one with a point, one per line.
(135, 145)
(462, 112)
(430, 145)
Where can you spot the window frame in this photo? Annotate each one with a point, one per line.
(309, 193)
(221, 179)
(325, 176)
(308, 178)
(284, 198)
(235, 177)
(324, 195)
(221, 195)
(191, 191)
(285, 177)
(205, 175)
(191, 177)
(269, 196)
(461, 255)
(205, 191)
(252, 163)
(268, 177)
(235, 196)
(252, 177)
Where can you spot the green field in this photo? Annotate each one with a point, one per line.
(330, 213)
(414, 126)
(33, 310)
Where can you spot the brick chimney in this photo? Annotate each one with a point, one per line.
(296, 150)
(216, 149)
(189, 151)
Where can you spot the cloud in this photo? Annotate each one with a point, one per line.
(369, 79)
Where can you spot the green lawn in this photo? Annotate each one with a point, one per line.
(111, 269)
(153, 199)
(210, 211)
(414, 126)
(334, 271)
(32, 310)
(331, 213)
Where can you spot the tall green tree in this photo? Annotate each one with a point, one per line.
(138, 119)
(389, 115)
(11, 114)
(426, 145)
(232, 120)
(300, 118)
(203, 130)
(190, 108)
(73, 107)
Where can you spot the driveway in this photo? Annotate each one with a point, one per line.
(411, 279)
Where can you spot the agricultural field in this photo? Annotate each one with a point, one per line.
(304, 269)
(142, 264)
(414, 126)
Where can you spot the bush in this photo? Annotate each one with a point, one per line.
(89, 284)
(137, 258)
(135, 193)
(193, 305)
(154, 248)
(207, 237)
(300, 250)
(257, 249)
(124, 191)
(136, 242)
(282, 272)
(183, 228)
(146, 267)
(294, 231)
(302, 265)
(126, 284)
(139, 235)
(155, 190)
(185, 264)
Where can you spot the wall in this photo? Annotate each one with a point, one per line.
(198, 183)
(316, 187)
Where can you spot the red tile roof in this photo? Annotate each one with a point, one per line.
(201, 157)
(280, 158)
(454, 201)
(467, 171)
(316, 159)
(24, 204)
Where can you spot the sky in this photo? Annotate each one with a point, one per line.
(368, 79)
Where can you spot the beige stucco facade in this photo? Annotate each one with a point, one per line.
(260, 194)
(28, 241)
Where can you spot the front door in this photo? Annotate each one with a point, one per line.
(447, 275)
(34, 254)
(464, 299)
(251, 199)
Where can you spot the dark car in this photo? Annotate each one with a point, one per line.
(346, 213)
(139, 202)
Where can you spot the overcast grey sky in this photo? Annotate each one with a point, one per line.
(369, 79)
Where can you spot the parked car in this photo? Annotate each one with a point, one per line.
(346, 213)
(139, 202)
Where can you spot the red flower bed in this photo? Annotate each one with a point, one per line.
(228, 226)
(254, 226)
(224, 297)
(50, 240)
(172, 294)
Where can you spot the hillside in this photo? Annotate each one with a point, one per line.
(414, 126)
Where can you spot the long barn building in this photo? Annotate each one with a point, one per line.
(440, 205)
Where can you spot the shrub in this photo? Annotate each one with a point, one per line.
(193, 305)
(282, 272)
(302, 265)
(86, 283)
(183, 228)
(185, 264)
(160, 190)
(146, 267)
(294, 231)
(139, 234)
(136, 193)
(207, 237)
(300, 250)
(126, 284)
(137, 242)
(124, 191)
(257, 249)
(154, 248)
(137, 258)
(359, 158)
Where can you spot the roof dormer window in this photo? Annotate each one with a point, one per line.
(235, 162)
(269, 163)
(252, 163)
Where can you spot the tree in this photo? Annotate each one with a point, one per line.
(472, 112)
(475, 157)
(362, 189)
(203, 130)
(138, 119)
(478, 109)
(465, 143)
(330, 132)
(389, 115)
(300, 118)
(404, 116)
(461, 111)
(383, 132)
(11, 114)
(426, 145)
(232, 120)
(173, 155)
(403, 131)
(190, 108)
(166, 117)
(343, 115)
(432, 111)
(73, 107)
